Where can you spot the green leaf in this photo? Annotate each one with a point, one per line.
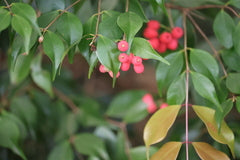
(142, 48)
(5, 19)
(46, 6)
(158, 125)
(121, 146)
(161, 3)
(232, 84)
(135, 6)
(90, 145)
(176, 92)
(130, 23)
(236, 40)
(207, 152)
(22, 27)
(46, 18)
(238, 104)
(92, 63)
(41, 77)
(203, 62)
(205, 88)
(70, 27)
(168, 151)
(165, 74)
(129, 106)
(54, 49)
(62, 151)
(224, 135)
(138, 153)
(26, 11)
(231, 59)
(223, 27)
(235, 3)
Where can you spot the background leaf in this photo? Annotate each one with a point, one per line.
(139, 153)
(231, 59)
(236, 40)
(46, 6)
(135, 6)
(238, 104)
(231, 80)
(5, 19)
(62, 151)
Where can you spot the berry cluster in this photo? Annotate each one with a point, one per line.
(126, 60)
(151, 105)
(166, 40)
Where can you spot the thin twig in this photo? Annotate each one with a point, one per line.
(127, 6)
(8, 6)
(170, 18)
(209, 43)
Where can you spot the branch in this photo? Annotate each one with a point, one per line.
(8, 6)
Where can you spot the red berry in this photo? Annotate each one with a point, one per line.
(123, 46)
(151, 108)
(148, 99)
(102, 69)
(136, 60)
(173, 45)
(165, 37)
(150, 33)
(163, 105)
(162, 48)
(131, 56)
(154, 43)
(139, 68)
(111, 74)
(125, 66)
(153, 24)
(177, 32)
(123, 58)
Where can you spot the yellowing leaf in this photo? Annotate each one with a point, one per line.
(168, 151)
(224, 136)
(158, 125)
(207, 152)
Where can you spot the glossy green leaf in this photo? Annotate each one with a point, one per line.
(232, 84)
(165, 74)
(224, 136)
(90, 145)
(54, 49)
(92, 63)
(130, 23)
(231, 59)
(205, 88)
(236, 40)
(46, 6)
(5, 19)
(238, 104)
(128, 105)
(46, 18)
(139, 153)
(168, 151)
(204, 63)
(158, 125)
(142, 48)
(22, 27)
(207, 152)
(223, 27)
(62, 151)
(176, 92)
(135, 6)
(70, 27)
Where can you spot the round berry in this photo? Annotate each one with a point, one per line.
(123, 46)
(40, 39)
(177, 32)
(162, 48)
(148, 99)
(111, 74)
(138, 68)
(153, 24)
(102, 69)
(154, 43)
(150, 33)
(125, 66)
(151, 108)
(165, 37)
(173, 45)
(163, 105)
(123, 58)
(136, 60)
(131, 56)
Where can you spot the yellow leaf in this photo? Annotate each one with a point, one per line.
(158, 125)
(207, 152)
(168, 151)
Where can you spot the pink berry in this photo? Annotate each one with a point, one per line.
(125, 66)
(102, 69)
(123, 46)
(173, 44)
(162, 48)
(153, 24)
(111, 74)
(154, 43)
(40, 39)
(150, 33)
(123, 58)
(163, 105)
(131, 56)
(165, 37)
(136, 61)
(148, 99)
(151, 108)
(139, 68)
(177, 32)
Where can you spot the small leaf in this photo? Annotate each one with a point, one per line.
(92, 63)
(62, 151)
(168, 151)
(232, 78)
(236, 40)
(46, 6)
(46, 18)
(176, 92)
(135, 6)
(161, 3)
(54, 49)
(5, 19)
(223, 27)
(138, 153)
(142, 48)
(238, 104)
(231, 59)
(224, 136)
(121, 146)
(158, 125)
(205, 88)
(22, 27)
(207, 152)
(130, 23)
